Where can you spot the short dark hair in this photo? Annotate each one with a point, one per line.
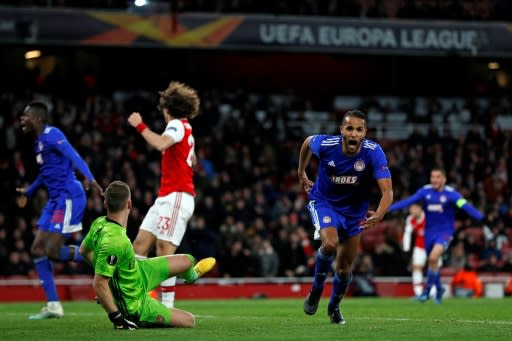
(116, 196)
(438, 169)
(355, 113)
(38, 109)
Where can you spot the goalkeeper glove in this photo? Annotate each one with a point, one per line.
(120, 322)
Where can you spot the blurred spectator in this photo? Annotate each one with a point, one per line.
(389, 257)
(466, 283)
(238, 262)
(490, 264)
(268, 260)
(362, 283)
(457, 258)
(491, 250)
(19, 263)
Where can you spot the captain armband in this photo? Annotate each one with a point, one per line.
(461, 202)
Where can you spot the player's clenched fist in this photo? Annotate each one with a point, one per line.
(135, 119)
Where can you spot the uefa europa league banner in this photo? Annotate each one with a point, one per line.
(252, 32)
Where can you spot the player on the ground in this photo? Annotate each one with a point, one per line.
(166, 221)
(348, 165)
(415, 230)
(121, 281)
(65, 208)
(439, 203)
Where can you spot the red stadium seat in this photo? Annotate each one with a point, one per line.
(449, 271)
(477, 233)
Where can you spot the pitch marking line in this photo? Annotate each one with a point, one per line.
(423, 320)
(397, 319)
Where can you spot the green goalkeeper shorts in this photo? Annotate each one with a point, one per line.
(152, 312)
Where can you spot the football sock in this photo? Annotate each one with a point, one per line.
(190, 274)
(339, 287)
(70, 252)
(322, 266)
(437, 281)
(45, 272)
(417, 282)
(430, 282)
(167, 289)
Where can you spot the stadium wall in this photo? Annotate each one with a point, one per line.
(74, 288)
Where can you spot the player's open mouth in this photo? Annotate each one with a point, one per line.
(352, 143)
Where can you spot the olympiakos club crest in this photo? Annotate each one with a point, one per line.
(111, 260)
(359, 165)
(326, 219)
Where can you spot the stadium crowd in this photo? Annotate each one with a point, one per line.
(250, 211)
(410, 9)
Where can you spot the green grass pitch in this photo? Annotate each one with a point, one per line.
(283, 319)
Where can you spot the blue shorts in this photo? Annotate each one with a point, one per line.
(324, 215)
(439, 237)
(63, 215)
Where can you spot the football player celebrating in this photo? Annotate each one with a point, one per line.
(166, 221)
(439, 202)
(65, 208)
(339, 202)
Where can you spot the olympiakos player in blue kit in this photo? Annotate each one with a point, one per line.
(348, 165)
(439, 203)
(66, 204)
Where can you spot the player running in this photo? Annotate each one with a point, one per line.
(439, 202)
(65, 208)
(338, 204)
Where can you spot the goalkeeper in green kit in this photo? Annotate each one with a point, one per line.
(122, 282)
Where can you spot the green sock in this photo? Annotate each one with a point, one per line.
(189, 275)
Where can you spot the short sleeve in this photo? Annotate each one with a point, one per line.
(314, 144)
(175, 129)
(380, 164)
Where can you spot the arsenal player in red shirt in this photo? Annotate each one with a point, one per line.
(166, 221)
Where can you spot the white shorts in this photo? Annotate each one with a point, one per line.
(168, 217)
(419, 257)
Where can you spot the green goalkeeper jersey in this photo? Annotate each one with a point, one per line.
(114, 257)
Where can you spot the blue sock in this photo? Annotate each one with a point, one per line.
(45, 272)
(437, 281)
(322, 266)
(429, 282)
(68, 252)
(339, 287)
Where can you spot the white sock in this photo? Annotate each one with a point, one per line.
(140, 256)
(417, 282)
(167, 288)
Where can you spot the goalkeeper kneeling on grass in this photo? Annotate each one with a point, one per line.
(122, 282)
